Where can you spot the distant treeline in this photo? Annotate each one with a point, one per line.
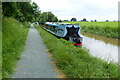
(85, 20)
(27, 11)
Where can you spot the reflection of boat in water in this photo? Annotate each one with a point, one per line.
(70, 32)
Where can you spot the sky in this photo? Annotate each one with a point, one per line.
(100, 10)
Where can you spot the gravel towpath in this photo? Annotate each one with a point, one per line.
(34, 62)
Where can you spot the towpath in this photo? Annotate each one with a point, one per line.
(34, 62)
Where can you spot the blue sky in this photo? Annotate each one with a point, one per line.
(99, 10)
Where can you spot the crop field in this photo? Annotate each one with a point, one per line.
(13, 37)
(76, 62)
(109, 29)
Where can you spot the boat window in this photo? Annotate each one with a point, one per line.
(72, 32)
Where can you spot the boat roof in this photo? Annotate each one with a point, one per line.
(58, 24)
(55, 23)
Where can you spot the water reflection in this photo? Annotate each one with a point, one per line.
(101, 49)
(103, 38)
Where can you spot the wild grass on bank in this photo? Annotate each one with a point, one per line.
(0, 54)
(76, 62)
(109, 29)
(13, 37)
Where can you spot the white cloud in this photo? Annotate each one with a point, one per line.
(89, 9)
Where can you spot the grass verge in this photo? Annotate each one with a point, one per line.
(13, 37)
(0, 54)
(76, 62)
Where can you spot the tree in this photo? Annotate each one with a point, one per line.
(84, 20)
(95, 21)
(36, 11)
(73, 19)
(107, 20)
(22, 11)
(9, 9)
(50, 16)
(60, 21)
(47, 17)
(55, 19)
(26, 10)
(91, 20)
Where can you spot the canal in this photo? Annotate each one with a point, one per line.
(101, 47)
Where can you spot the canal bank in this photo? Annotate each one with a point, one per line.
(76, 62)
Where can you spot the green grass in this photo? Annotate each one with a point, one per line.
(109, 29)
(76, 62)
(13, 37)
(0, 54)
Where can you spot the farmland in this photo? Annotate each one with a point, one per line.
(13, 37)
(76, 62)
(108, 29)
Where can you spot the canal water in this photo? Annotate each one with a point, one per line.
(101, 49)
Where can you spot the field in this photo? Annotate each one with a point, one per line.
(75, 62)
(13, 38)
(109, 29)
